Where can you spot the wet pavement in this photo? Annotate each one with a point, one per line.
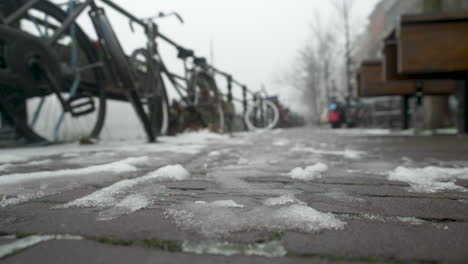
(284, 196)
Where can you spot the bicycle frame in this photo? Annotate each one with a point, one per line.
(117, 64)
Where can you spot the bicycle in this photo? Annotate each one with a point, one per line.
(197, 88)
(51, 77)
(28, 75)
(262, 114)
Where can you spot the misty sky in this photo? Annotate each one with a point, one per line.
(255, 40)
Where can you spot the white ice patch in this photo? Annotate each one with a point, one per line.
(284, 200)
(214, 154)
(169, 173)
(281, 142)
(10, 248)
(222, 203)
(381, 218)
(9, 166)
(120, 197)
(215, 221)
(243, 161)
(347, 153)
(126, 165)
(309, 173)
(430, 179)
(270, 249)
(7, 158)
(5, 167)
(360, 132)
(128, 205)
(202, 137)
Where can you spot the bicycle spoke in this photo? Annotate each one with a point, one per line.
(37, 112)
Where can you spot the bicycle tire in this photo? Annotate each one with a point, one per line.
(121, 66)
(276, 116)
(88, 49)
(153, 90)
(202, 80)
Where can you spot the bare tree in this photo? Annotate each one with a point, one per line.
(344, 10)
(316, 63)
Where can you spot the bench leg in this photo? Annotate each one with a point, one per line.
(462, 113)
(405, 115)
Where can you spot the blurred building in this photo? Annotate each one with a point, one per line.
(382, 21)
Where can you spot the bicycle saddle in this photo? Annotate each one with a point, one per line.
(185, 53)
(199, 61)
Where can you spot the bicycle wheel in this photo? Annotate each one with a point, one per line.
(262, 115)
(42, 117)
(151, 90)
(207, 101)
(120, 67)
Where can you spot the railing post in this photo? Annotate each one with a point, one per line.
(244, 98)
(229, 80)
(405, 116)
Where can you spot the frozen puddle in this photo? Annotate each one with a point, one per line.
(130, 195)
(430, 179)
(309, 173)
(268, 249)
(10, 248)
(220, 221)
(347, 153)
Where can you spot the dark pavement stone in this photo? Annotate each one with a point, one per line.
(360, 238)
(90, 252)
(364, 191)
(356, 187)
(143, 224)
(426, 208)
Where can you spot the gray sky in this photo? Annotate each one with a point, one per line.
(255, 40)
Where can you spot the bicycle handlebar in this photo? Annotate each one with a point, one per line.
(166, 39)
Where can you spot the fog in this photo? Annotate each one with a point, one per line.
(256, 41)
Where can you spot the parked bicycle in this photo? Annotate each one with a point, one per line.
(262, 113)
(42, 73)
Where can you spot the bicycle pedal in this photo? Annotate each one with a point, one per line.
(81, 104)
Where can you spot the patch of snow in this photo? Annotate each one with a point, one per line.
(7, 158)
(121, 198)
(309, 173)
(219, 221)
(10, 248)
(380, 218)
(38, 162)
(352, 154)
(202, 137)
(126, 165)
(9, 166)
(347, 153)
(281, 142)
(5, 167)
(222, 203)
(128, 205)
(169, 173)
(243, 161)
(283, 200)
(268, 249)
(361, 132)
(430, 179)
(214, 154)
